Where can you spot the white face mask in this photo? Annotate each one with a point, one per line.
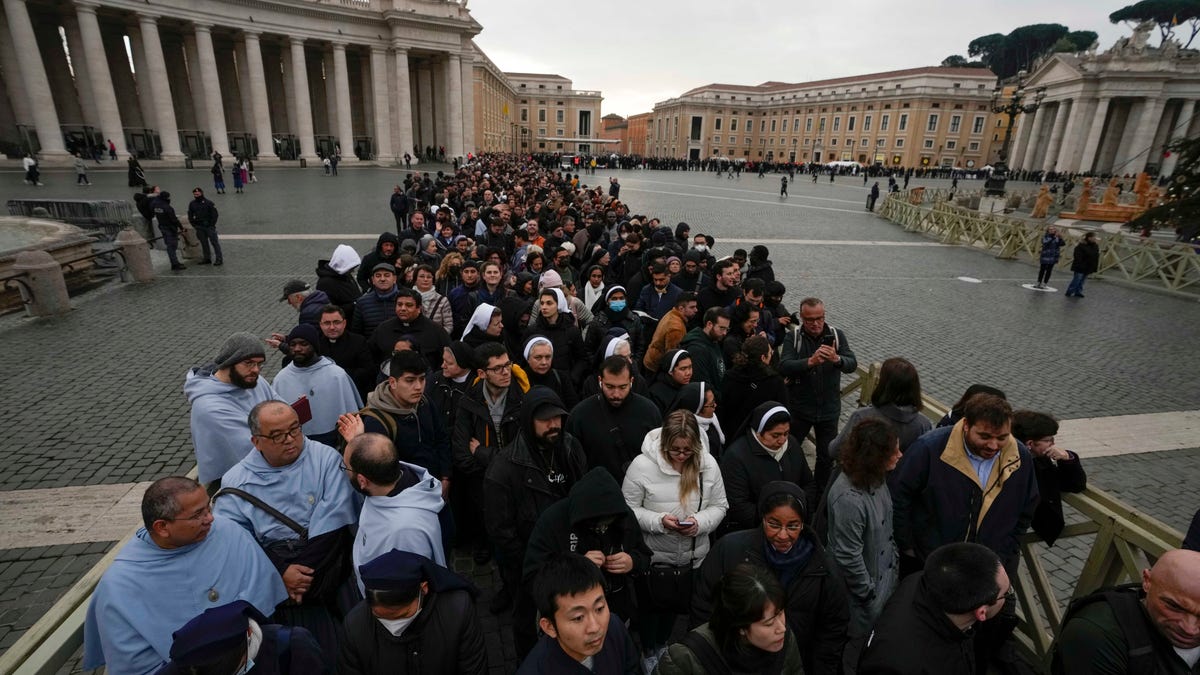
(397, 626)
(702, 248)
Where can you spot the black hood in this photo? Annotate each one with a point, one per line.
(596, 495)
(535, 398)
(387, 237)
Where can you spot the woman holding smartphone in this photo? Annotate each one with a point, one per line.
(675, 490)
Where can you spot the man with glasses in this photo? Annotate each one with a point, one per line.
(928, 624)
(300, 479)
(348, 350)
(221, 393)
(814, 358)
(969, 482)
(183, 561)
(612, 424)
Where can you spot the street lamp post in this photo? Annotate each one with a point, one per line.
(994, 186)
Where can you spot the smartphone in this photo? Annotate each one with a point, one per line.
(828, 340)
(687, 523)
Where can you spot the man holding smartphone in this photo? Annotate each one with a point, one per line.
(814, 358)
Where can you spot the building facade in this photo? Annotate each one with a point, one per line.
(270, 79)
(916, 117)
(1113, 112)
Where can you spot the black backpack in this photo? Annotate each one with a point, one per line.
(1125, 602)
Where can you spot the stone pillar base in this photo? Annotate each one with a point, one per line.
(136, 252)
(47, 286)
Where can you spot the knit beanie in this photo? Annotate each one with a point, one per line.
(239, 347)
(306, 332)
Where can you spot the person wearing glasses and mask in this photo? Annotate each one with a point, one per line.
(931, 621)
(817, 606)
(288, 477)
(183, 561)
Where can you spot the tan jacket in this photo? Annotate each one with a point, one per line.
(671, 329)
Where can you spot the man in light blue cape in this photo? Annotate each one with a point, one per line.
(328, 389)
(221, 394)
(183, 562)
(402, 506)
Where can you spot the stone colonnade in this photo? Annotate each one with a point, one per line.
(1104, 134)
(198, 87)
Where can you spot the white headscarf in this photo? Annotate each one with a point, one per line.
(564, 307)
(612, 344)
(480, 319)
(535, 341)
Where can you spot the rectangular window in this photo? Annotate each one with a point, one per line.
(955, 123)
(978, 126)
(808, 125)
(718, 123)
(865, 142)
(697, 123)
(933, 120)
(903, 125)
(928, 143)
(879, 143)
(542, 131)
(950, 145)
(837, 124)
(883, 122)
(772, 126)
(850, 124)
(973, 146)
(585, 123)
(899, 142)
(524, 114)
(821, 126)
(559, 132)
(542, 115)
(560, 116)
(733, 124)
(796, 125)
(762, 126)
(716, 139)
(867, 123)
(732, 139)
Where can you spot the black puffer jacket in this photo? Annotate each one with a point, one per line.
(567, 527)
(744, 389)
(818, 606)
(474, 421)
(342, 289)
(445, 639)
(912, 637)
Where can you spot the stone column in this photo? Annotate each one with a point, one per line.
(1076, 124)
(211, 83)
(1020, 141)
(13, 83)
(1135, 153)
(341, 91)
(1187, 114)
(141, 77)
(258, 96)
(468, 102)
(404, 138)
(1091, 146)
(1162, 133)
(384, 153)
(1056, 137)
(83, 82)
(1035, 137)
(425, 107)
(304, 121)
(454, 108)
(159, 87)
(195, 84)
(33, 76)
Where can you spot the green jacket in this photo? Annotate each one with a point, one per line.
(679, 660)
(708, 361)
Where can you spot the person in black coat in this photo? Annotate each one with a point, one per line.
(614, 310)
(593, 521)
(611, 425)
(428, 338)
(538, 360)
(216, 641)
(348, 350)
(1085, 262)
(750, 383)
(387, 250)
(762, 452)
(336, 279)
(1057, 470)
(818, 604)
(418, 619)
(675, 374)
(556, 322)
(534, 471)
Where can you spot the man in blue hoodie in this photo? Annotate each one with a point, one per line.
(222, 393)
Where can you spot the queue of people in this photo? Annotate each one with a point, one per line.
(533, 374)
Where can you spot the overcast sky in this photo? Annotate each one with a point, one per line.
(640, 52)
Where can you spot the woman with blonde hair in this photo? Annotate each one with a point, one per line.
(447, 278)
(675, 490)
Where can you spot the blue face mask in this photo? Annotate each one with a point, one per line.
(617, 305)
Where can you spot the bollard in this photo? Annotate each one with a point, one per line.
(46, 282)
(136, 252)
(189, 244)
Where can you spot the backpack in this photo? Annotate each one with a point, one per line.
(1124, 600)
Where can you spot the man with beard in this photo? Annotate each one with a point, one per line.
(221, 394)
(704, 345)
(692, 277)
(181, 562)
(969, 482)
(300, 479)
(348, 350)
(402, 502)
(326, 389)
(611, 425)
(724, 289)
(659, 297)
(535, 470)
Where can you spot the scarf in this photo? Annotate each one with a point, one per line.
(787, 565)
(382, 399)
(706, 422)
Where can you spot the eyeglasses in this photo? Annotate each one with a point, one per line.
(812, 319)
(197, 516)
(674, 452)
(282, 436)
(1008, 596)
(253, 365)
(792, 528)
(499, 369)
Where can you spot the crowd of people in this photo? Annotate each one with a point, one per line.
(597, 405)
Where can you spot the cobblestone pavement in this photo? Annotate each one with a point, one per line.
(98, 393)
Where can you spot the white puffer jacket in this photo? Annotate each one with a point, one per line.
(651, 489)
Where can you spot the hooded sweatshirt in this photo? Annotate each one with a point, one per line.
(376, 256)
(419, 433)
(220, 431)
(405, 521)
(334, 278)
